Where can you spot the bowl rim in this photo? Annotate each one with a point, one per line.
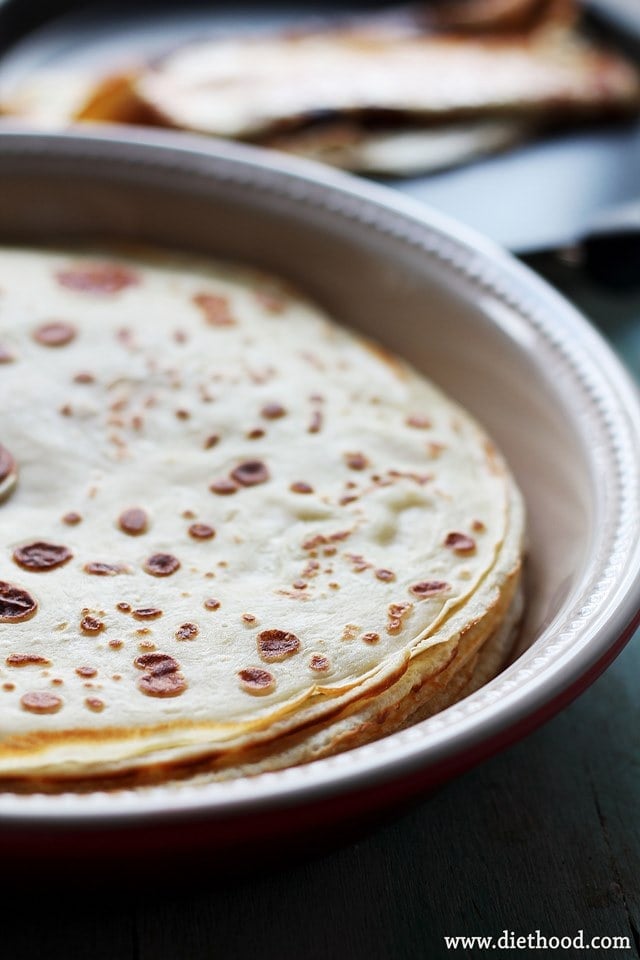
(591, 631)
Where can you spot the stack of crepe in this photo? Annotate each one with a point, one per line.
(235, 538)
(409, 90)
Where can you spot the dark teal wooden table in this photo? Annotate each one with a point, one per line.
(545, 837)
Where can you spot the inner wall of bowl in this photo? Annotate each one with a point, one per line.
(474, 346)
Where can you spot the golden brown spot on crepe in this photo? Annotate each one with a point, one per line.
(257, 681)
(161, 677)
(250, 473)
(188, 631)
(39, 701)
(8, 687)
(41, 556)
(212, 604)
(95, 704)
(211, 441)
(350, 632)
(429, 588)
(201, 531)
(273, 411)
(99, 569)
(276, 645)
(319, 663)
(315, 424)
(250, 619)
(420, 478)
(371, 637)
(301, 487)
(5, 355)
(460, 543)
(72, 519)
(356, 461)
(27, 660)
(163, 685)
(116, 644)
(161, 663)
(54, 334)
(397, 613)
(215, 309)
(182, 414)
(123, 606)
(358, 563)
(478, 526)
(319, 539)
(146, 613)
(101, 278)
(161, 564)
(84, 378)
(133, 521)
(86, 672)
(311, 569)
(91, 625)
(385, 575)
(256, 434)
(381, 481)
(418, 422)
(223, 487)
(315, 541)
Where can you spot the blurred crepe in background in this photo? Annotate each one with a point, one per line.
(406, 90)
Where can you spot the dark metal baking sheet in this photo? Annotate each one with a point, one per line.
(543, 194)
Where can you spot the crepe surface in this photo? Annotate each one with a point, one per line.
(226, 520)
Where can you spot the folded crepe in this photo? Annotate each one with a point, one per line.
(408, 90)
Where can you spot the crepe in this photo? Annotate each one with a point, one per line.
(255, 89)
(399, 92)
(236, 535)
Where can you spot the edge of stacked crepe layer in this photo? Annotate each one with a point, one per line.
(423, 691)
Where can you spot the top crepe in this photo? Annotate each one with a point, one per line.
(225, 518)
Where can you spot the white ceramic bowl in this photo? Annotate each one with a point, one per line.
(474, 320)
